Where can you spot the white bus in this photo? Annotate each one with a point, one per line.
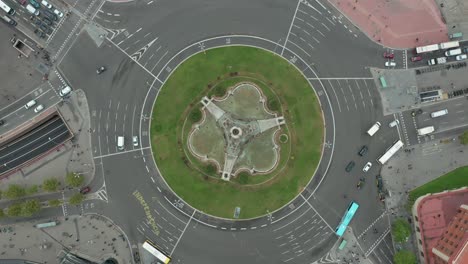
(390, 152)
(162, 258)
(427, 48)
(7, 9)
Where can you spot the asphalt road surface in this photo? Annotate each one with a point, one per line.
(146, 41)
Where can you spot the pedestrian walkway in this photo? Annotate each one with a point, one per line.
(396, 23)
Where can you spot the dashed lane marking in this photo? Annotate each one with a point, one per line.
(372, 224)
(377, 242)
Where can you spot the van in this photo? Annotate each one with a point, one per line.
(9, 20)
(439, 113)
(453, 52)
(65, 91)
(120, 143)
(32, 10)
(374, 129)
(30, 104)
(425, 130)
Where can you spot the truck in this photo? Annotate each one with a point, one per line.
(450, 44)
(440, 60)
(425, 130)
(22, 47)
(374, 129)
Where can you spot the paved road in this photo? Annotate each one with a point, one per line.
(146, 41)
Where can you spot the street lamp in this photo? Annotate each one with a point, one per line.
(50, 139)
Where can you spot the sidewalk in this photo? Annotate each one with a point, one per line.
(91, 236)
(396, 23)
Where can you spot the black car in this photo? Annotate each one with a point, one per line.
(100, 70)
(136, 257)
(47, 21)
(363, 151)
(416, 112)
(49, 14)
(37, 22)
(350, 166)
(39, 33)
(379, 182)
(2, 122)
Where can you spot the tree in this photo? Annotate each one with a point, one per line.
(2, 213)
(15, 191)
(74, 179)
(50, 185)
(54, 203)
(401, 230)
(30, 207)
(404, 257)
(464, 138)
(76, 199)
(32, 190)
(14, 210)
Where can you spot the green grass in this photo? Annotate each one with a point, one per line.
(453, 180)
(196, 78)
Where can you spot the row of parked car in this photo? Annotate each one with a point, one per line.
(391, 56)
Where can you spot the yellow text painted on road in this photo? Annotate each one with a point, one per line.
(147, 210)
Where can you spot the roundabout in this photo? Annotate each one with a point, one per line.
(237, 133)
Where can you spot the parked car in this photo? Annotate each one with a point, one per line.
(35, 4)
(394, 123)
(388, 55)
(416, 58)
(39, 33)
(363, 151)
(367, 167)
(85, 190)
(50, 14)
(390, 64)
(47, 21)
(461, 57)
(350, 166)
(46, 4)
(22, 2)
(2, 122)
(379, 182)
(58, 13)
(38, 108)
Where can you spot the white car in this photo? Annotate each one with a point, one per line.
(65, 91)
(58, 13)
(38, 108)
(390, 64)
(394, 123)
(30, 104)
(46, 4)
(135, 141)
(461, 57)
(367, 167)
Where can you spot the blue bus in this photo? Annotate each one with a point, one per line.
(341, 228)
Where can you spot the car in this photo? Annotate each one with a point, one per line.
(100, 70)
(46, 4)
(50, 14)
(47, 21)
(367, 167)
(136, 257)
(38, 108)
(34, 3)
(363, 151)
(43, 27)
(30, 104)
(394, 123)
(350, 166)
(390, 64)
(22, 2)
(65, 91)
(38, 22)
(58, 13)
(85, 190)
(40, 33)
(416, 58)
(461, 57)
(2, 122)
(379, 182)
(135, 141)
(388, 55)
(416, 112)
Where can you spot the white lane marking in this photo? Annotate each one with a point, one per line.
(323, 220)
(164, 55)
(290, 27)
(299, 48)
(343, 78)
(183, 231)
(336, 96)
(119, 153)
(326, 27)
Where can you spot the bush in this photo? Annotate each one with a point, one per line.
(401, 230)
(14, 210)
(243, 178)
(32, 190)
(210, 169)
(15, 191)
(404, 257)
(274, 105)
(195, 115)
(464, 138)
(30, 207)
(54, 203)
(2, 213)
(50, 185)
(76, 199)
(74, 179)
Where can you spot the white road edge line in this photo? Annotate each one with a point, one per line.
(183, 231)
(290, 27)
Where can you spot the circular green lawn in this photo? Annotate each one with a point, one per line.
(211, 73)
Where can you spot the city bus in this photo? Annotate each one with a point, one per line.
(7, 9)
(390, 152)
(341, 228)
(151, 248)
